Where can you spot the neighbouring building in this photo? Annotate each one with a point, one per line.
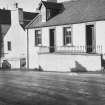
(5, 21)
(68, 35)
(14, 36)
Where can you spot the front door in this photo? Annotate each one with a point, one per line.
(52, 40)
(89, 38)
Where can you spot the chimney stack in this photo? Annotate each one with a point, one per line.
(20, 11)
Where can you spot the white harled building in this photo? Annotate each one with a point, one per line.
(68, 35)
(15, 38)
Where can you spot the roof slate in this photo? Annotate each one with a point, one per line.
(5, 16)
(77, 11)
(27, 17)
(52, 5)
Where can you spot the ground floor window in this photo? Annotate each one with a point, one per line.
(67, 35)
(38, 39)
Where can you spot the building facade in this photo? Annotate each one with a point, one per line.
(67, 36)
(15, 38)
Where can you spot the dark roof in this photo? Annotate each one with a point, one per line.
(5, 16)
(27, 17)
(52, 5)
(5, 19)
(75, 11)
(4, 29)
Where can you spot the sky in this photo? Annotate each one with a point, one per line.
(27, 5)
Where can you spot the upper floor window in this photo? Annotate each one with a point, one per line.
(48, 13)
(67, 35)
(38, 39)
(9, 45)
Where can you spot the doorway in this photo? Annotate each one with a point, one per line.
(52, 40)
(89, 38)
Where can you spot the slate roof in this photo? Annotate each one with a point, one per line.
(52, 5)
(5, 16)
(27, 17)
(75, 11)
(5, 19)
(4, 28)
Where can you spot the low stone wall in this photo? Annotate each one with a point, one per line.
(67, 62)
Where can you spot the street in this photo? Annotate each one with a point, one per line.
(49, 88)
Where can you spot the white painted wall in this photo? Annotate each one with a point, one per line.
(66, 62)
(100, 35)
(33, 51)
(45, 36)
(57, 62)
(79, 37)
(18, 38)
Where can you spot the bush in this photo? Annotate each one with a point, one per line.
(6, 65)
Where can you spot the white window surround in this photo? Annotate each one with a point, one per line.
(38, 37)
(67, 35)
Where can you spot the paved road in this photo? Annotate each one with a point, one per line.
(41, 88)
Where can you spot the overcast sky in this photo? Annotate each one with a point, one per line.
(28, 5)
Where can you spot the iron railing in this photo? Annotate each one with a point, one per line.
(72, 49)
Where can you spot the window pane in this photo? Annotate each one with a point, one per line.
(37, 37)
(67, 35)
(67, 40)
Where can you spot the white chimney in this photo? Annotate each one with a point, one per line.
(15, 15)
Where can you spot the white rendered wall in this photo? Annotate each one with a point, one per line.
(100, 34)
(78, 34)
(45, 36)
(65, 62)
(33, 51)
(18, 38)
(54, 61)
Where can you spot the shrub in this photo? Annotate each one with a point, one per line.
(6, 65)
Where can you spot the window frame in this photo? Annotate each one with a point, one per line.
(38, 37)
(67, 36)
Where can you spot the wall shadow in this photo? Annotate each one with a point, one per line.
(78, 68)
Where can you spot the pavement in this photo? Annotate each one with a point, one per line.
(50, 88)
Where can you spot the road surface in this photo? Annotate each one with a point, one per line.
(49, 88)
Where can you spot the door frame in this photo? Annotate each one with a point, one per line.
(52, 28)
(93, 36)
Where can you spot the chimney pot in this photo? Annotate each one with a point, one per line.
(16, 5)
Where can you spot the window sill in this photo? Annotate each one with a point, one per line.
(39, 45)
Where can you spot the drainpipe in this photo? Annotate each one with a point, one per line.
(27, 50)
(0, 46)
